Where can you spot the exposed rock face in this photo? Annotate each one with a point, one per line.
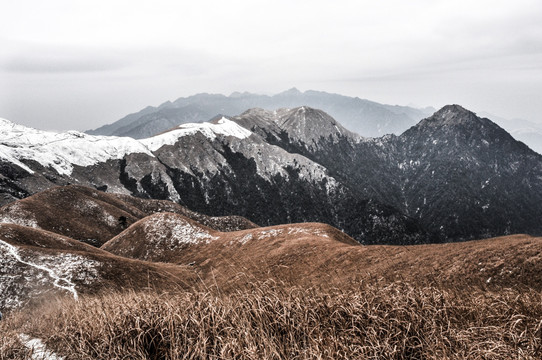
(461, 176)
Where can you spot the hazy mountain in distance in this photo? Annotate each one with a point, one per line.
(523, 130)
(364, 117)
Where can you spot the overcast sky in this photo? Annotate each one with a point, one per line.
(80, 64)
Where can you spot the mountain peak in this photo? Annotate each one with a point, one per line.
(257, 111)
(453, 114)
(454, 108)
(290, 92)
(464, 130)
(450, 115)
(310, 125)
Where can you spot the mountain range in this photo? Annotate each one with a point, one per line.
(364, 117)
(525, 131)
(451, 177)
(115, 245)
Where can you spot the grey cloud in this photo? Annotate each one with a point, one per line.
(42, 58)
(45, 64)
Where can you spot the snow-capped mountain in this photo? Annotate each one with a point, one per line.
(62, 151)
(218, 168)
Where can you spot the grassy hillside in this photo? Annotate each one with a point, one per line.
(311, 254)
(355, 302)
(169, 286)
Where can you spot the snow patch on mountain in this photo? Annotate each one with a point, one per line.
(223, 127)
(164, 232)
(61, 151)
(267, 234)
(88, 206)
(167, 229)
(15, 214)
(42, 272)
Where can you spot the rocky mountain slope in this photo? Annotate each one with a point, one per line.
(461, 176)
(220, 169)
(362, 116)
(453, 176)
(528, 132)
(487, 181)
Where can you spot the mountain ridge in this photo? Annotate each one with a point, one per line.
(453, 176)
(93, 217)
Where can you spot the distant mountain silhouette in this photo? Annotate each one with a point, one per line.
(367, 118)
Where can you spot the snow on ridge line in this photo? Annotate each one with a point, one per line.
(222, 127)
(61, 151)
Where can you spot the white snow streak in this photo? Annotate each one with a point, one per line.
(38, 349)
(168, 229)
(223, 127)
(13, 251)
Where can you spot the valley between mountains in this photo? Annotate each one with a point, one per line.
(195, 242)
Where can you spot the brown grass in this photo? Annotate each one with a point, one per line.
(313, 253)
(270, 321)
(93, 216)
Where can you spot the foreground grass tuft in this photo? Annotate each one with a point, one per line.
(267, 321)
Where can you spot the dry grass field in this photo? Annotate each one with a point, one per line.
(317, 312)
(270, 321)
